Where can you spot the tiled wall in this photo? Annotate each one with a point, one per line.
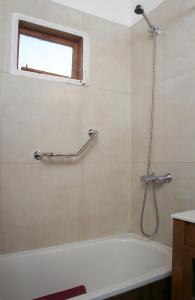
(174, 134)
(49, 204)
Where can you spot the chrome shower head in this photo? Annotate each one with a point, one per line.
(139, 10)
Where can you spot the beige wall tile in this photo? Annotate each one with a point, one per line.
(175, 128)
(1, 92)
(141, 57)
(169, 13)
(39, 115)
(41, 205)
(1, 218)
(106, 199)
(109, 112)
(1, 214)
(111, 59)
(2, 12)
(140, 118)
(174, 120)
(175, 54)
(188, 6)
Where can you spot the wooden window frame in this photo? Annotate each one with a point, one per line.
(57, 37)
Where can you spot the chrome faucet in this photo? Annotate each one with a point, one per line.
(159, 179)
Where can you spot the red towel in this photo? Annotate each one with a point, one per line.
(77, 291)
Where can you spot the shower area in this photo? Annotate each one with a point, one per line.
(150, 179)
(93, 164)
(167, 53)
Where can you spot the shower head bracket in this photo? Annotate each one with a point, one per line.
(154, 29)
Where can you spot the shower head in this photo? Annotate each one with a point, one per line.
(139, 10)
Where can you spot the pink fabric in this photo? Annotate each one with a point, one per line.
(77, 291)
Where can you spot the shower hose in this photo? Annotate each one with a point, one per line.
(151, 185)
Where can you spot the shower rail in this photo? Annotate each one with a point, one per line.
(92, 135)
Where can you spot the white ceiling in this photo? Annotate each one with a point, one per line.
(120, 11)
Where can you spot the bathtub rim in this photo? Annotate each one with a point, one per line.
(122, 237)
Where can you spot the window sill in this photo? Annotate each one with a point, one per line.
(49, 77)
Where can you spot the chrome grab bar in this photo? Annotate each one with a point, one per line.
(92, 135)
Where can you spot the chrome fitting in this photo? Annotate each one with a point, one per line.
(160, 179)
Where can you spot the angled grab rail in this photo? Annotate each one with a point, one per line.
(92, 135)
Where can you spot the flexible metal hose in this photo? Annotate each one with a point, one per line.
(151, 185)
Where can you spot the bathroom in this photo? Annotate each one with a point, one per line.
(74, 146)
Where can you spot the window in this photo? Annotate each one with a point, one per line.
(48, 51)
(37, 55)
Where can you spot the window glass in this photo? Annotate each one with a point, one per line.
(45, 56)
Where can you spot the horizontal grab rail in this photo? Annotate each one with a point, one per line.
(92, 135)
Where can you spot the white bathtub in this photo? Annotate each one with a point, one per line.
(106, 267)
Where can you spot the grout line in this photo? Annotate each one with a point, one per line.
(165, 162)
(159, 82)
(82, 202)
(97, 163)
(1, 216)
(82, 179)
(1, 102)
(66, 163)
(3, 34)
(93, 86)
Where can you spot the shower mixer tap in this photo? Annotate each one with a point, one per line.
(159, 179)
